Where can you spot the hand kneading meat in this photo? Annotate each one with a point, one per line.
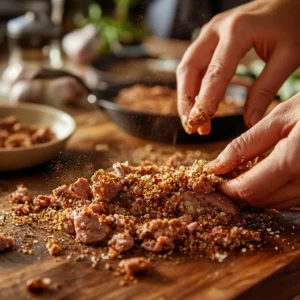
(159, 208)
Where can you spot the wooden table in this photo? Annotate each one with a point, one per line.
(267, 273)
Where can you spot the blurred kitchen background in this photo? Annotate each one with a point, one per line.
(99, 41)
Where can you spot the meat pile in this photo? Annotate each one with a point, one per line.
(159, 208)
(163, 100)
(14, 134)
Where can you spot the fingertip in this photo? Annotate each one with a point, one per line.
(228, 188)
(204, 129)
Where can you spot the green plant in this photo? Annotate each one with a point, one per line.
(117, 29)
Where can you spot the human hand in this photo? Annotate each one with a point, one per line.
(271, 27)
(274, 181)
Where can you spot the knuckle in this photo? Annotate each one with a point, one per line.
(215, 72)
(289, 164)
(266, 93)
(239, 145)
(216, 19)
(237, 21)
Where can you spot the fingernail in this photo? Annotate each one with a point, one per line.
(214, 163)
(255, 117)
(184, 120)
(201, 131)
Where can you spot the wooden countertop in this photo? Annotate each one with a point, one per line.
(266, 273)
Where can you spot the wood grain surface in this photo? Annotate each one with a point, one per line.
(254, 275)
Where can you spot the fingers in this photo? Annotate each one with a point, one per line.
(214, 84)
(258, 182)
(277, 173)
(281, 64)
(191, 70)
(288, 204)
(286, 193)
(257, 140)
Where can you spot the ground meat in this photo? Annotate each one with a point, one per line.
(88, 228)
(186, 219)
(105, 185)
(6, 242)
(97, 207)
(191, 227)
(172, 228)
(81, 188)
(68, 224)
(119, 243)
(134, 265)
(180, 159)
(65, 198)
(42, 201)
(163, 243)
(232, 238)
(21, 195)
(194, 204)
(122, 169)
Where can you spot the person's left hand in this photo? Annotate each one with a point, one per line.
(274, 181)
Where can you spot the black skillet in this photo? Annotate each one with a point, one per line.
(155, 127)
(167, 128)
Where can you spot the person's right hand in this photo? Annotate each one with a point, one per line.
(274, 181)
(271, 27)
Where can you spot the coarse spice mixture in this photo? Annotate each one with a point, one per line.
(159, 209)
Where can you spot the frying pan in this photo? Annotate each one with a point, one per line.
(155, 127)
(167, 128)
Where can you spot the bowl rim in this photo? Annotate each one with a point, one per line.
(43, 109)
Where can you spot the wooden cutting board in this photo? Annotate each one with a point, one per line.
(252, 275)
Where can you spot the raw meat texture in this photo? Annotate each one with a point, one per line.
(163, 243)
(134, 265)
(88, 228)
(6, 242)
(120, 242)
(81, 188)
(194, 204)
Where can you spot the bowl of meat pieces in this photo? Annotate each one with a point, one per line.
(31, 134)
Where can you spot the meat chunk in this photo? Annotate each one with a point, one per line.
(191, 227)
(105, 185)
(68, 224)
(81, 188)
(233, 237)
(121, 169)
(179, 159)
(120, 242)
(162, 243)
(88, 228)
(42, 201)
(21, 195)
(171, 228)
(65, 198)
(6, 242)
(194, 204)
(134, 265)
